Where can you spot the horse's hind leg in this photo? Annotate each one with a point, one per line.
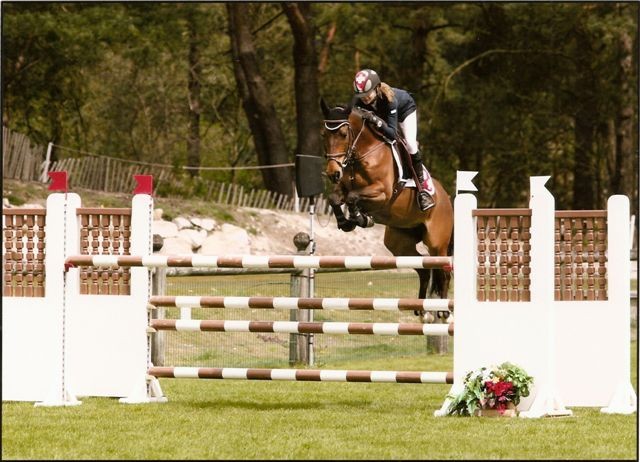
(402, 242)
(438, 240)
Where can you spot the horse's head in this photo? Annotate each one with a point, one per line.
(339, 138)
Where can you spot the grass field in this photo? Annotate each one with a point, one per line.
(208, 419)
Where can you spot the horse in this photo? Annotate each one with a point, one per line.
(360, 164)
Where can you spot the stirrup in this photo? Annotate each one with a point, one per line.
(425, 201)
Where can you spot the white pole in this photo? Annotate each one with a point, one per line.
(296, 199)
(547, 403)
(45, 171)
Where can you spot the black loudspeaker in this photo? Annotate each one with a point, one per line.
(309, 181)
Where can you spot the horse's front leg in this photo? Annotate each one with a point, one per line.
(336, 201)
(355, 214)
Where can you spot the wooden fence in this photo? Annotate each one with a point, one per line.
(21, 160)
(25, 161)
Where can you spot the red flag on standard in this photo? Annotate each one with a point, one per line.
(145, 184)
(58, 181)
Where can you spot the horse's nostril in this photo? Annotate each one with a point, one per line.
(335, 177)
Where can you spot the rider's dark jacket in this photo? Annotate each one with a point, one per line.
(391, 112)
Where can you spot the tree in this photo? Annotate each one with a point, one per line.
(624, 167)
(47, 49)
(305, 59)
(508, 89)
(259, 108)
(194, 79)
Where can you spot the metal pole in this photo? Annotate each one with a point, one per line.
(312, 249)
(299, 343)
(158, 287)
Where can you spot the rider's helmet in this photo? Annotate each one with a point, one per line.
(365, 81)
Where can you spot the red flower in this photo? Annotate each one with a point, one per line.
(502, 388)
(499, 394)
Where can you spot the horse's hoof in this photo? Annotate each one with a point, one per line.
(443, 314)
(426, 317)
(347, 226)
(369, 222)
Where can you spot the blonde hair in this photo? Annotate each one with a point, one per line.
(387, 91)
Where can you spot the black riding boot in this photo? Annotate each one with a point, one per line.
(425, 201)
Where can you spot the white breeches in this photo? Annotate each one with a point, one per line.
(409, 129)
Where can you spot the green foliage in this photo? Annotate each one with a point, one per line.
(222, 215)
(491, 387)
(15, 200)
(506, 89)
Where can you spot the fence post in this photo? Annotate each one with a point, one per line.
(300, 345)
(158, 287)
(45, 167)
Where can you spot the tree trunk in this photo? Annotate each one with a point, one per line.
(305, 59)
(585, 113)
(195, 74)
(257, 103)
(326, 48)
(415, 69)
(625, 179)
(584, 196)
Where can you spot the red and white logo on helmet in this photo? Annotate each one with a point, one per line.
(361, 81)
(365, 80)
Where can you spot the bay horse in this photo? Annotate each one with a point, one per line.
(361, 165)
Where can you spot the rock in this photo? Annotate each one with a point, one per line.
(181, 222)
(176, 246)
(164, 228)
(193, 236)
(230, 240)
(263, 245)
(157, 214)
(158, 242)
(208, 224)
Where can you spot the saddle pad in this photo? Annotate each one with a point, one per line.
(410, 182)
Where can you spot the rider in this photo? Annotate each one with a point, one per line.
(395, 107)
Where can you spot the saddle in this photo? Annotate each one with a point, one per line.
(406, 174)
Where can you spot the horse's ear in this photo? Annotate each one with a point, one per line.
(324, 107)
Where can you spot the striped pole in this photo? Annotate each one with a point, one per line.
(263, 262)
(294, 327)
(301, 375)
(294, 303)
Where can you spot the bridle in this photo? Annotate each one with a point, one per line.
(351, 154)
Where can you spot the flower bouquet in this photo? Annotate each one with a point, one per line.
(497, 389)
